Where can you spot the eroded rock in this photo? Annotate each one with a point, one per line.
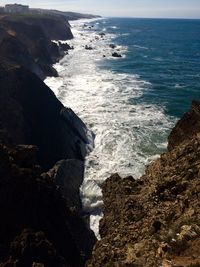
(155, 221)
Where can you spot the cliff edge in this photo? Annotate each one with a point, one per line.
(155, 221)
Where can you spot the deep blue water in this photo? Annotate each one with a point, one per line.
(165, 52)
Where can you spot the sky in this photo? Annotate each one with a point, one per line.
(122, 8)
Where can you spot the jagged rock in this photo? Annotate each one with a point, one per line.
(154, 221)
(65, 46)
(26, 40)
(88, 47)
(186, 127)
(29, 200)
(115, 54)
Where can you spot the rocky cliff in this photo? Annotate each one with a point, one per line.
(31, 114)
(38, 227)
(42, 150)
(155, 221)
(27, 40)
(41, 213)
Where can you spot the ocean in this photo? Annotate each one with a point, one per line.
(130, 102)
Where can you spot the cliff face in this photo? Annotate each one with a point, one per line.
(186, 128)
(155, 221)
(38, 227)
(26, 40)
(31, 114)
(41, 220)
(41, 213)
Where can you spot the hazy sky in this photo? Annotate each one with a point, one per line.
(123, 8)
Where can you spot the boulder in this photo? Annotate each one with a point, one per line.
(88, 47)
(115, 54)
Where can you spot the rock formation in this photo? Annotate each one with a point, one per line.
(155, 221)
(37, 225)
(31, 114)
(27, 40)
(186, 128)
(115, 54)
(42, 220)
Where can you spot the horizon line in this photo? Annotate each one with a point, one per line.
(129, 17)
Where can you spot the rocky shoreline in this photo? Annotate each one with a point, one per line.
(155, 221)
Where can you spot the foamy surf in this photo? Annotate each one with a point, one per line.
(128, 133)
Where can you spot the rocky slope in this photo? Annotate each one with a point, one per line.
(155, 221)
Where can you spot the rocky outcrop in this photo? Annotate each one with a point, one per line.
(155, 221)
(38, 228)
(115, 54)
(186, 128)
(27, 40)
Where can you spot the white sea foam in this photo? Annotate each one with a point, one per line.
(129, 133)
(179, 86)
(114, 27)
(141, 47)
